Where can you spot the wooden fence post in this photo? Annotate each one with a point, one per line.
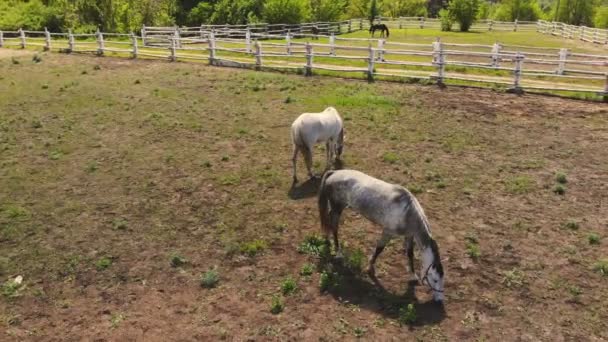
(172, 46)
(248, 39)
(22, 37)
(332, 44)
(100, 43)
(370, 64)
(519, 58)
(258, 55)
(143, 35)
(594, 35)
(47, 40)
(178, 36)
(563, 56)
(361, 24)
(582, 36)
(490, 25)
(400, 22)
(309, 57)
(212, 47)
(1, 38)
(350, 25)
(422, 22)
(134, 43)
(70, 41)
(496, 55)
(440, 65)
(380, 50)
(515, 24)
(288, 41)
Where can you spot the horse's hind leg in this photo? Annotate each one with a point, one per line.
(334, 221)
(380, 245)
(294, 161)
(307, 151)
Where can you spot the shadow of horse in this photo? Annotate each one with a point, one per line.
(371, 295)
(310, 188)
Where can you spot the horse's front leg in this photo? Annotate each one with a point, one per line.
(328, 147)
(294, 161)
(409, 250)
(307, 151)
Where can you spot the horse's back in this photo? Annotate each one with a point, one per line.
(315, 127)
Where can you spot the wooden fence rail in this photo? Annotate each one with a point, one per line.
(438, 61)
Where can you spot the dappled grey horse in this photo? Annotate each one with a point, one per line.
(311, 128)
(389, 205)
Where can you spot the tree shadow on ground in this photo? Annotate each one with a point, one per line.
(353, 287)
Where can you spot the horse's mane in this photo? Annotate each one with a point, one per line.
(436, 257)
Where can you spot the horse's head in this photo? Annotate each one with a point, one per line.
(433, 271)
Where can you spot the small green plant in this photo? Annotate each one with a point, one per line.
(207, 164)
(473, 250)
(324, 281)
(103, 263)
(416, 189)
(572, 225)
(307, 270)
(36, 58)
(116, 319)
(55, 155)
(137, 81)
(593, 238)
(312, 245)
(119, 224)
(14, 60)
(97, 67)
(390, 157)
(559, 189)
(407, 315)
(177, 260)
(276, 306)
(230, 180)
(289, 99)
(513, 278)
(561, 178)
(519, 185)
(575, 290)
(45, 86)
(253, 248)
(92, 167)
(355, 260)
(359, 332)
(225, 158)
(601, 267)
(12, 288)
(288, 286)
(84, 72)
(210, 279)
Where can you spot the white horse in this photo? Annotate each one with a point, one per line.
(311, 128)
(388, 205)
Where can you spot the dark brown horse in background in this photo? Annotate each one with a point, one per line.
(384, 32)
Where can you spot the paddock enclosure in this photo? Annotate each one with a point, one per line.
(147, 200)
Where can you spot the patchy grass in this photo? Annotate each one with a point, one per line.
(176, 260)
(514, 278)
(210, 279)
(103, 263)
(561, 178)
(559, 189)
(253, 248)
(593, 239)
(307, 270)
(407, 315)
(276, 305)
(520, 185)
(289, 286)
(572, 225)
(601, 267)
(313, 245)
(473, 250)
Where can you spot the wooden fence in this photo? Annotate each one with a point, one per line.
(587, 34)
(517, 67)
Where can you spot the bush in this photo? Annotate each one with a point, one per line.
(464, 12)
(405, 8)
(210, 279)
(526, 10)
(446, 20)
(601, 17)
(286, 11)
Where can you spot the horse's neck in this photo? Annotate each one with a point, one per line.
(428, 257)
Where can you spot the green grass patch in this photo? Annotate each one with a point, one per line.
(520, 185)
(253, 248)
(601, 267)
(210, 279)
(276, 305)
(289, 286)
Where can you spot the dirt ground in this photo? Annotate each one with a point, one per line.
(122, 182)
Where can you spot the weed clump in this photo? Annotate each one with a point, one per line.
(210, 279)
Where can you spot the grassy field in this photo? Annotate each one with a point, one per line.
(150, 200)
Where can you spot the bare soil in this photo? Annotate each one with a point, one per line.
(132, 162)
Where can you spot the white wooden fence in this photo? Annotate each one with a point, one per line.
(587, 34)
(529, 67)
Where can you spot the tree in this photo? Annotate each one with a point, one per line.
(327, 10)
(464, 12)
(510, 10)
(398, 8)
(373, 11)
(601, 17)
(575, 12)
(236, 11)
(286, 11)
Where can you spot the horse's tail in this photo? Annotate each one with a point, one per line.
(324, 204)
(388, 33)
